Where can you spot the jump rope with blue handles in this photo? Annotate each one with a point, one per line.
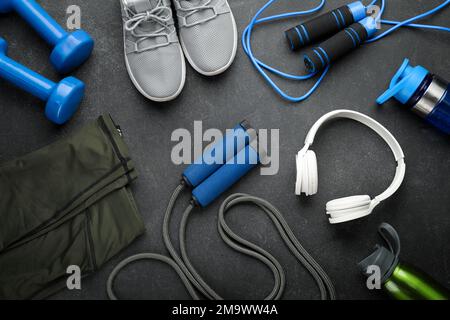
(207, 179)
(264, 68)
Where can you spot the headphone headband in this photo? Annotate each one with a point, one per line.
(362, 118)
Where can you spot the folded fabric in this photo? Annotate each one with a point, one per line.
(66, 204)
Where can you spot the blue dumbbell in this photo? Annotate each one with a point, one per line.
(70, 49)
(62, 98)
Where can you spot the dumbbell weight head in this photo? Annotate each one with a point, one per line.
(64, 100)
(71, 51)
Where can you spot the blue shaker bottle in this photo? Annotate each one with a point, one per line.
(423, 92)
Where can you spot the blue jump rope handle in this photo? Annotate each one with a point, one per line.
(325, 25)
(210, 161)
(70, 49)
(227, 175)
(440, 116)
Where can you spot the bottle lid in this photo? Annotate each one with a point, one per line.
(404, 83)
(386, 259)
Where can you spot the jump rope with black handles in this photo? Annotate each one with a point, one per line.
(351, 27)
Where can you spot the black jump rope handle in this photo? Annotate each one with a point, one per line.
(319, 27)
(335, 47)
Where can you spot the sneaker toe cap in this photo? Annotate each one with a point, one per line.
(158, 73)
(210, 46)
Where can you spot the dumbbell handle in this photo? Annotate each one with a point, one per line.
(25, 78)
(62, 98)
(40, 20)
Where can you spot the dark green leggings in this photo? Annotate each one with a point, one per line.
(66, 204)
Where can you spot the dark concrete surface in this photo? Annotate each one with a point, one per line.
(352, 160)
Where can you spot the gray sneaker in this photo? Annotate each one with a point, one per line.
(208, 34)
(153, 54)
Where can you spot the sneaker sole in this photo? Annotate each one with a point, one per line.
(224, 68)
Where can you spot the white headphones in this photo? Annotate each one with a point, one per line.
(354, 207)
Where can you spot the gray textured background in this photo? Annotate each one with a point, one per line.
(352, 160)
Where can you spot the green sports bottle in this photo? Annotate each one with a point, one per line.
(400, 280)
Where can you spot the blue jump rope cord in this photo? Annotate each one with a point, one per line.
(261, 66)
(407, 22)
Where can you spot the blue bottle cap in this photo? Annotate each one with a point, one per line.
(358, 10)
(404, 83)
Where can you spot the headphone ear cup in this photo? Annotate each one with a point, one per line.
(348, 208)
(307, 176)
(313, 176)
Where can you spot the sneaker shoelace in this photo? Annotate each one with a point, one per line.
(160, 15)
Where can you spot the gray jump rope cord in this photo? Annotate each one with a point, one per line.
(190, 277)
